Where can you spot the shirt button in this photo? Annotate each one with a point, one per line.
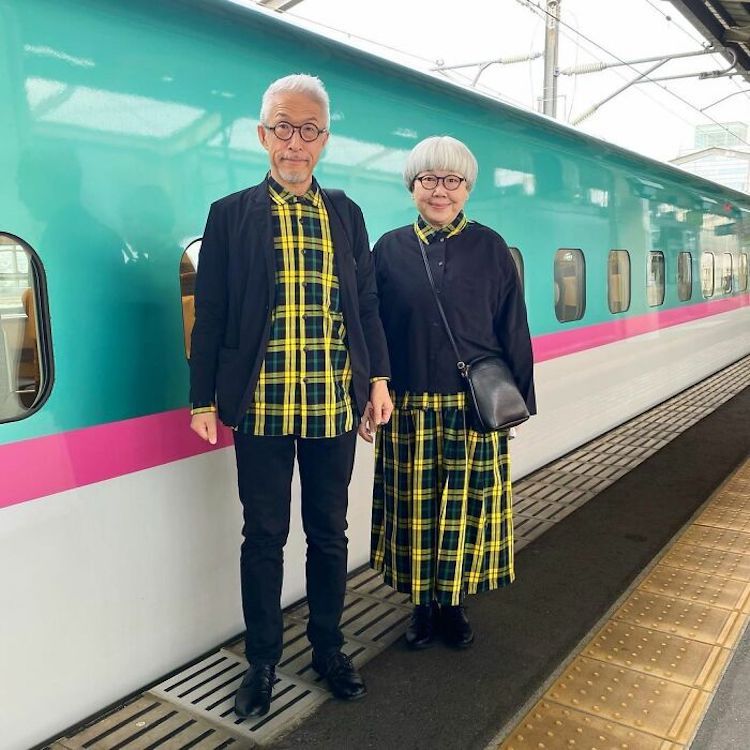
(440, 262)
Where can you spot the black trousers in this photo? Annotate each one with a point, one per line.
(264, 469)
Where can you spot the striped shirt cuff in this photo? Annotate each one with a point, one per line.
(202, 410)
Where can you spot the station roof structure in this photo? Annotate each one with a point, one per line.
(725, 23)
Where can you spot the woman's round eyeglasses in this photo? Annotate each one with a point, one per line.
(431, 181)
(284, 131)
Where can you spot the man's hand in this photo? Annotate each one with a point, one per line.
(367, 428)
(204, 424)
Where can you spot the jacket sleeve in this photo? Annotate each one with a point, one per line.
(210, 310)
(512, 327)
(367, 292)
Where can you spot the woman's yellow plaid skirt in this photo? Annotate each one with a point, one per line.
(442, 523)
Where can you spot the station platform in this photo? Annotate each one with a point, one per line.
(626, 626)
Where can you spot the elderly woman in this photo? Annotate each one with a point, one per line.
(442, 523)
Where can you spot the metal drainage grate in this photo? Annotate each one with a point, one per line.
(148, 722)
(208, 687)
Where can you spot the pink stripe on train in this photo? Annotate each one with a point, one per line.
(55, 463)
(553, 345)
(47, 465)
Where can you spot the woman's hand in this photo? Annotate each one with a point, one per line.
(380, 399)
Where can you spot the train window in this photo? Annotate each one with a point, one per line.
(570, 285)
(742, 273)
(707, 274)
(655, 279)
(25, 349)
(726, 273)
(518, 260)
(618, 280)
(684, 276)
(188, 270)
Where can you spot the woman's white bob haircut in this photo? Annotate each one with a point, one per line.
(297, 83)
(441, 153)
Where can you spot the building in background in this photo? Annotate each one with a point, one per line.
(721, 154)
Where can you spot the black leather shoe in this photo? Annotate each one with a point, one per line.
(422, 626)
(253, 696)
(456, 627)
(342, 676)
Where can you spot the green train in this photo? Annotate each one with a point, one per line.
(120, 124)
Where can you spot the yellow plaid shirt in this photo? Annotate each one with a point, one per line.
(304, 386)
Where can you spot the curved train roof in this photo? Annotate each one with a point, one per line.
(540, 121)
(240, 12)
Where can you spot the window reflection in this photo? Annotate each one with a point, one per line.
(23, 375)
(107, 111)
(518, 260)
(570, 285)
(618, 281)
(188, 271)
(684, 276)
(707, 274)
(726, 273)
(655, 279)
(742, 272)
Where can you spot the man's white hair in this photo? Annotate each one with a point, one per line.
(297, 83)
(441, 153)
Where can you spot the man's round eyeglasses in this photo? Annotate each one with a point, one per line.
(431, 181)
(284, 131)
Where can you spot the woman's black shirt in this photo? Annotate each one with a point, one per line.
(481, 293)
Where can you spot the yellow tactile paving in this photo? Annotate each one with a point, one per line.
(706, 560)
(553, 727)
(725, 518)
(658, 654)
(694, 620)
(629, 697)
(697, 586)
(727, 540)
(647, 675)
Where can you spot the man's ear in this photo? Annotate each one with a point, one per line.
(263, 137)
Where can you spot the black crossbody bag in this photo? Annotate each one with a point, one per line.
(496, 402)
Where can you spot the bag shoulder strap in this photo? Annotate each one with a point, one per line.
(459, 363)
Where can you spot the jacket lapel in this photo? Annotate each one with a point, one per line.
(259, 232)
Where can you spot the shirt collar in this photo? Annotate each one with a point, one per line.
(281, 196)
(427, 233)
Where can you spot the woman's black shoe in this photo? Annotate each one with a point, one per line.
(456, 626)
(422, 626)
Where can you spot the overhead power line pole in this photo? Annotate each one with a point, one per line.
(549, 95)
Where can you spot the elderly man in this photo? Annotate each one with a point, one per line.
(288, 348)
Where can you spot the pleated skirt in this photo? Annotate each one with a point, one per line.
(442, 523)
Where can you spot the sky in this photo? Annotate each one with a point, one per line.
(645, 118)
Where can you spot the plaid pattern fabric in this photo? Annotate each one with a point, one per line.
(427, 233)
(304, 384)
(442, 521)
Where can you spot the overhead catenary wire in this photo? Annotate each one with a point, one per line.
(534, 6)
(702, 42)
(572, 38)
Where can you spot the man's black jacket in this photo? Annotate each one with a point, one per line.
(234, 298)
